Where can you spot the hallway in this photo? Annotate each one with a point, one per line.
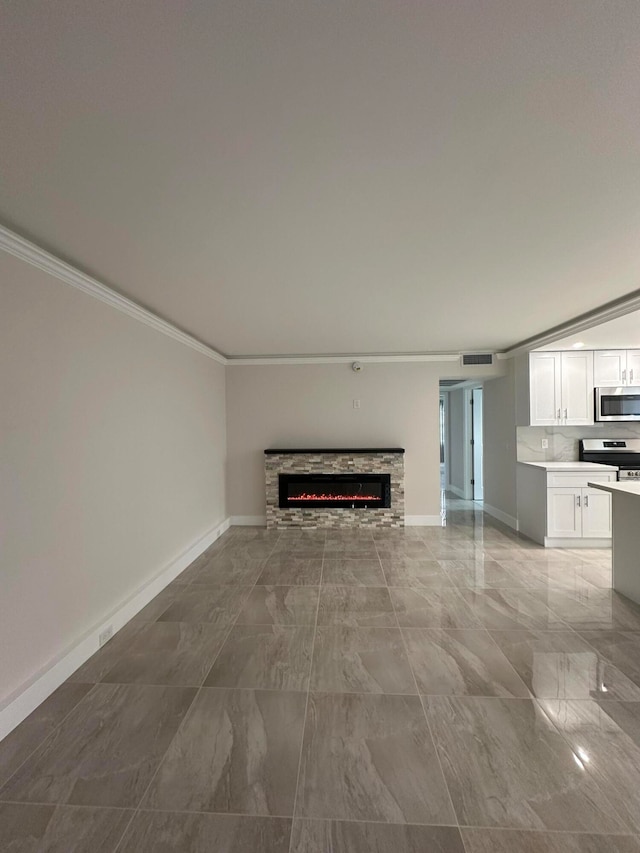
(452, 689)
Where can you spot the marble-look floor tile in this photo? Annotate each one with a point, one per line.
(353, 572)
(360, 660)
(505, 609)
(460, 663)
(251, 550)
(622, 648)
(106, 657)
(157, 832)
(561, 665)
(18, 745)
(231, 569)
(280, 605)
(350, 554)
(299, 550)
(594, 609)
(356, 606)
(368, 757)
(237, 752)
(610, 751)
(506, 765)
(265, 657)
(107, 749)
(178, 653)
(216, 605)
(159, 604)
(26, 828)
(522, 841)
(338, 836)
(420, 574)
(432, 608)
(489, 574)
(283, 570)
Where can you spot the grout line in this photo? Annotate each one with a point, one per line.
(426, 718)
(306, 708)
(181, 724)
(54, 729)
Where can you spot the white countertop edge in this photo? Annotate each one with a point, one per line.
(620, 488)
(571, 466)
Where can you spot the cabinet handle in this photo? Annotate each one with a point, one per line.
(558, 415)
(586, 500)
(631, 376)
(578, 499)
(624, 375)
(565, 414)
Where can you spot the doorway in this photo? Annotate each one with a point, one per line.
(461, 439)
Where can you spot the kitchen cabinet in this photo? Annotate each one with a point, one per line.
(557, 507)
(616, 367)
(561, 388)
(578, 512)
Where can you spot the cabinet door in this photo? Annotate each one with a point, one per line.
(609, 367)
(633, 367)
(544, 388)
(596, 513)
(564, 513)
(577, 400)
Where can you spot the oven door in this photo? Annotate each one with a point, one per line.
(618, 404)
(629, 474)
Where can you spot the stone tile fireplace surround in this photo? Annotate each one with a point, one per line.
(364, 460)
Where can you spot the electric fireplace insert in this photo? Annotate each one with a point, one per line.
(349, 491)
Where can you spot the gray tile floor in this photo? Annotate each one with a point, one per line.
(433, 690)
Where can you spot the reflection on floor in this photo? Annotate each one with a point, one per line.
(452, 689)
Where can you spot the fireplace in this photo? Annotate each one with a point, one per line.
(346, 491)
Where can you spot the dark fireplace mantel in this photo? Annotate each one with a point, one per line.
(276, 451)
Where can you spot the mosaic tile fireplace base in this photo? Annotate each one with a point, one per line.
(335, 461)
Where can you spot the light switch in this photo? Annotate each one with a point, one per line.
(356, 404)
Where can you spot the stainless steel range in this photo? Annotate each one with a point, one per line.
(623, 452)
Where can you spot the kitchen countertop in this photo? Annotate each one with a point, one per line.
(622, 488)
(571, 466)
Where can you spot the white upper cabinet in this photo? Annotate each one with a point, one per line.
(545, 389)
(616, 367)
(561, 388)
(633, 367)
(577, 388)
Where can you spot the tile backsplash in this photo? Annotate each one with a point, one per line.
(563, 441)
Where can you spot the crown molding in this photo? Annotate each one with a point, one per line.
(26, 251)
(30, 253)
(342, 359)
(609, 311)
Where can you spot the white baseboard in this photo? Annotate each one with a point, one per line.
(40, 686)
(423, 521)
(509, 520)
(248, 520)
(576, 543)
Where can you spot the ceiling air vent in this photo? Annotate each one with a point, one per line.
(476, 358)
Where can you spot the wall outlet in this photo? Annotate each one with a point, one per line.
(545, 443)
(356, 404)
(105, 636)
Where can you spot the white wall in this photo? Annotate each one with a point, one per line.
(499, 428)
(311, 405)
(112, 462)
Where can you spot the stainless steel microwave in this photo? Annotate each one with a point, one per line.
(618, 404)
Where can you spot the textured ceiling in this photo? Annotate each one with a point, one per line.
(331, 177)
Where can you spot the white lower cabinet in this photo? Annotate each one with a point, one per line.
(579, 513)
(558, 509)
